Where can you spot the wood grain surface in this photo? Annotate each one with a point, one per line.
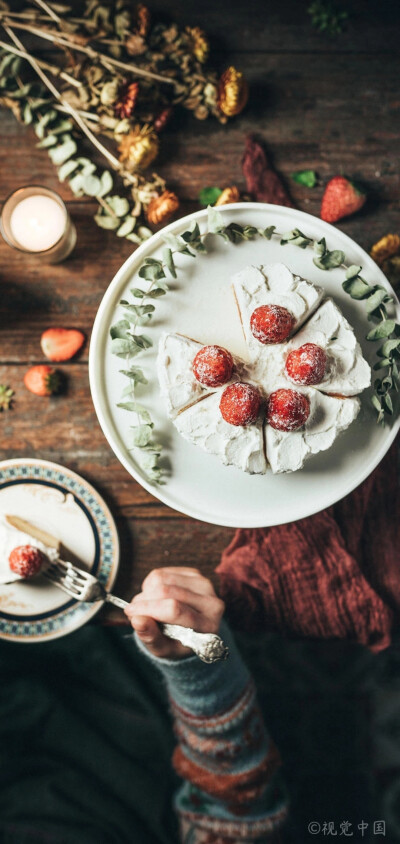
(330, 104)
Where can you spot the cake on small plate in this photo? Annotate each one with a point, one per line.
(295, 396)
(13, 534)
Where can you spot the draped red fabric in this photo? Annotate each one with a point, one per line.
(333, 575)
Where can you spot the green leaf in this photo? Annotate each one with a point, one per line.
(76, 186)
(106, 183)
(353, 271)
(66, 169)
(209, 196)
(64, 151)
(156, 292)
(106, 222)
(375, 401)
(320, 247)
(27, 114)
(308, 178)
(390, 346)
(149, 464)
(382, 364)
(143, 341)
(135, 407)
(49, 141)
(137, 310)
(268, 232)
(127, 226)
(357, 288)
(141, 435)
(375, 300)
(330, 260)
(119, 205)
(138, 293)
(120, 330)
(215, 220)
(152, 272)
(169, 261)
(384, 329)
(387, 403)
(135, 374)
(173, 242)
(144, 233)
(87, 166)
(124, 348)
(91, 185)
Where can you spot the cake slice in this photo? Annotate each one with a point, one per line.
(287, 450)
(347, 372)
(273, 284)
(12, 537)
(178, 384)
(239, 446)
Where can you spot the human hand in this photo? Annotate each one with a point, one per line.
(174, 595)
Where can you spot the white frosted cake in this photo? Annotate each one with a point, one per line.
(10, 538)
(293, 399)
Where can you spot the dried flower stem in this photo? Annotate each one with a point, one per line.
(55, 71)
(78, 119)
(48, 9)
(107, 61)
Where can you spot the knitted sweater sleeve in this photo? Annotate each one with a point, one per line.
(232, 787)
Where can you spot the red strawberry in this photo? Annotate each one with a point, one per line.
(43, 380)
(26, 560)
(287, 410)
(340, 199)
(271, 324)
(306, 365)
(213, 366)
(240, 404)
(61, 343)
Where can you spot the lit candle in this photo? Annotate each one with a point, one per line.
(35, 220)
(38, 223)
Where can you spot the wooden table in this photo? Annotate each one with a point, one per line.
(331, 104)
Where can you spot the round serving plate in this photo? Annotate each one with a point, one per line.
(60, 502)
(200, 304)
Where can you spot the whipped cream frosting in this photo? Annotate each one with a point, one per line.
(10, 538)
(235, 445)
(347, 372)
(273, 284)
(287, 450)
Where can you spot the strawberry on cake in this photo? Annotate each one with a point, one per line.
(294, 397)
(21, 554)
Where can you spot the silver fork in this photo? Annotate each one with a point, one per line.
(83, 586)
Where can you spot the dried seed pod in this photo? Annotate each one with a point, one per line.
(163, 118)
(143, 20)
(201, 112)
(162, 207)
(198, 43)
(385, 248)
(232, 92)
(126, 102)
(139, 147)
(228, 195)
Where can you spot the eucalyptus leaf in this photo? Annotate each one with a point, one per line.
(127, 227)
(375, 401)
(119, 205)
(106, 183)
(61, 153)
(144, 232)
(353, 271)
(120, 330)
(357, 288)
(387, 403)
(215, 220)
(169, 261)
(152, 272)
(135, 407)
(106, 222)
(91, 185)
(172, 241)
(141, 435)
(135, 374)
(66, 169)
(48, 141)
(390, 346)
(268, 232)
(87, 166)
(76, 186)
(124, 348)
(384, 329)
(375, 300)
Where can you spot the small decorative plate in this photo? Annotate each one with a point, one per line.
(62, 503)
(200, 304)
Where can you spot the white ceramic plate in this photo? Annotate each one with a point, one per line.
(200, 304)
(62, 503)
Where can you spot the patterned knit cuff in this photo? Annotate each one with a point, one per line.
(198, 687)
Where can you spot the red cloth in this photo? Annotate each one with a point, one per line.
(335, 574)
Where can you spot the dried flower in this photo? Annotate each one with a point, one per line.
(127, 97)
(198, 43)
(139, 147)
(232, 92)
(6, 397)
(135, 44)
(163, 118)
(387, 247)
(228, 195)
(162, 207)
(143, 20)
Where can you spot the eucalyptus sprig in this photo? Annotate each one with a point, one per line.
(127, 342)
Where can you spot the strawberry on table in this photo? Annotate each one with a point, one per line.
(271, 324)
(212, 366)
(341, 198)
(60, 344)
(43, 380)
(306, 365)
(240, 404)
(287, 410)
(26, 560)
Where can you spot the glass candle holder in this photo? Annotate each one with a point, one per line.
(35, 220)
